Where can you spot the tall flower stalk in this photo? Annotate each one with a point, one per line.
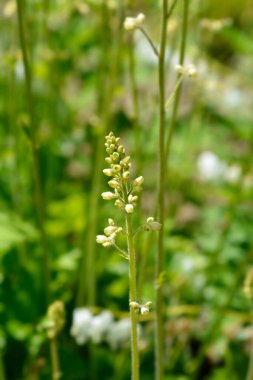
(40, 206)
(125, 194)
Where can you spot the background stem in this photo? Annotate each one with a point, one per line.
(178, 90)
(39, 199)
(159, 350)
(56, 372)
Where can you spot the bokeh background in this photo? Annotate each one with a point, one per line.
(89, 76)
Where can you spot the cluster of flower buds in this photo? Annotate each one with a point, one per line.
(142, 308)
(189, 70)
(55, 320)
(132, 23)
(124, 193)
(110, 233)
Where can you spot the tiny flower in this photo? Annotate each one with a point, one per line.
(140, 18)
(144, 310)
(81, 325)
(108, 172)
(101, 239)
(107, 244)
(191, 71)
(108, 195)
(132, 23)
(111, 222)
(126, 175)
(139, 181)
(110, 230)
(129, 208)
(150, 219)
(114, 184)
(119, 204)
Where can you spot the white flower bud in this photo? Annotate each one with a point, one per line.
(191, 71)
(129, 208)
(139, 181)
(126, 175)
(108, 172)
(111, 222)
(150, 219)
(108, 195)
(140, 18)
(119, 204)
(114, 184)
(101, 239)
(179, 69)
(110, 230)
(107, 244)
(130, 23)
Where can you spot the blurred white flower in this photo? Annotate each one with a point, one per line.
(210, 167)
(81, 325)
(119, 333)
(100, 325)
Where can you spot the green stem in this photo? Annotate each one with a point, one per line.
(159, 333)
(39, 199)
(135, 100)
(132, 294)
(87, 277)
(178, 90)
(56, 372)
(149, 39)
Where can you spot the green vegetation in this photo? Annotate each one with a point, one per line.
(173, 270)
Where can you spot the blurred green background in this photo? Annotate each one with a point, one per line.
(89, 76)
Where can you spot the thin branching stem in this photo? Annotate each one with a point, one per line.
(149, 39)
(40, 206)
(159, 350)
(178, 90)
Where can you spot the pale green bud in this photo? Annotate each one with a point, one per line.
(115, 156)
(111, 222)
(107, 244)
(126, 175)
(114, 184)
(117, 168)
(119, 204)
(150, 219)
(108, 172)
(138, 181)
(110, 230)
(129, 208)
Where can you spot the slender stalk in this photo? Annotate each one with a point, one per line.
(178, 90)
(159, 349)
(87, 277)
(56, 372)
(132, 295)
(39, 199)
(151, 43)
